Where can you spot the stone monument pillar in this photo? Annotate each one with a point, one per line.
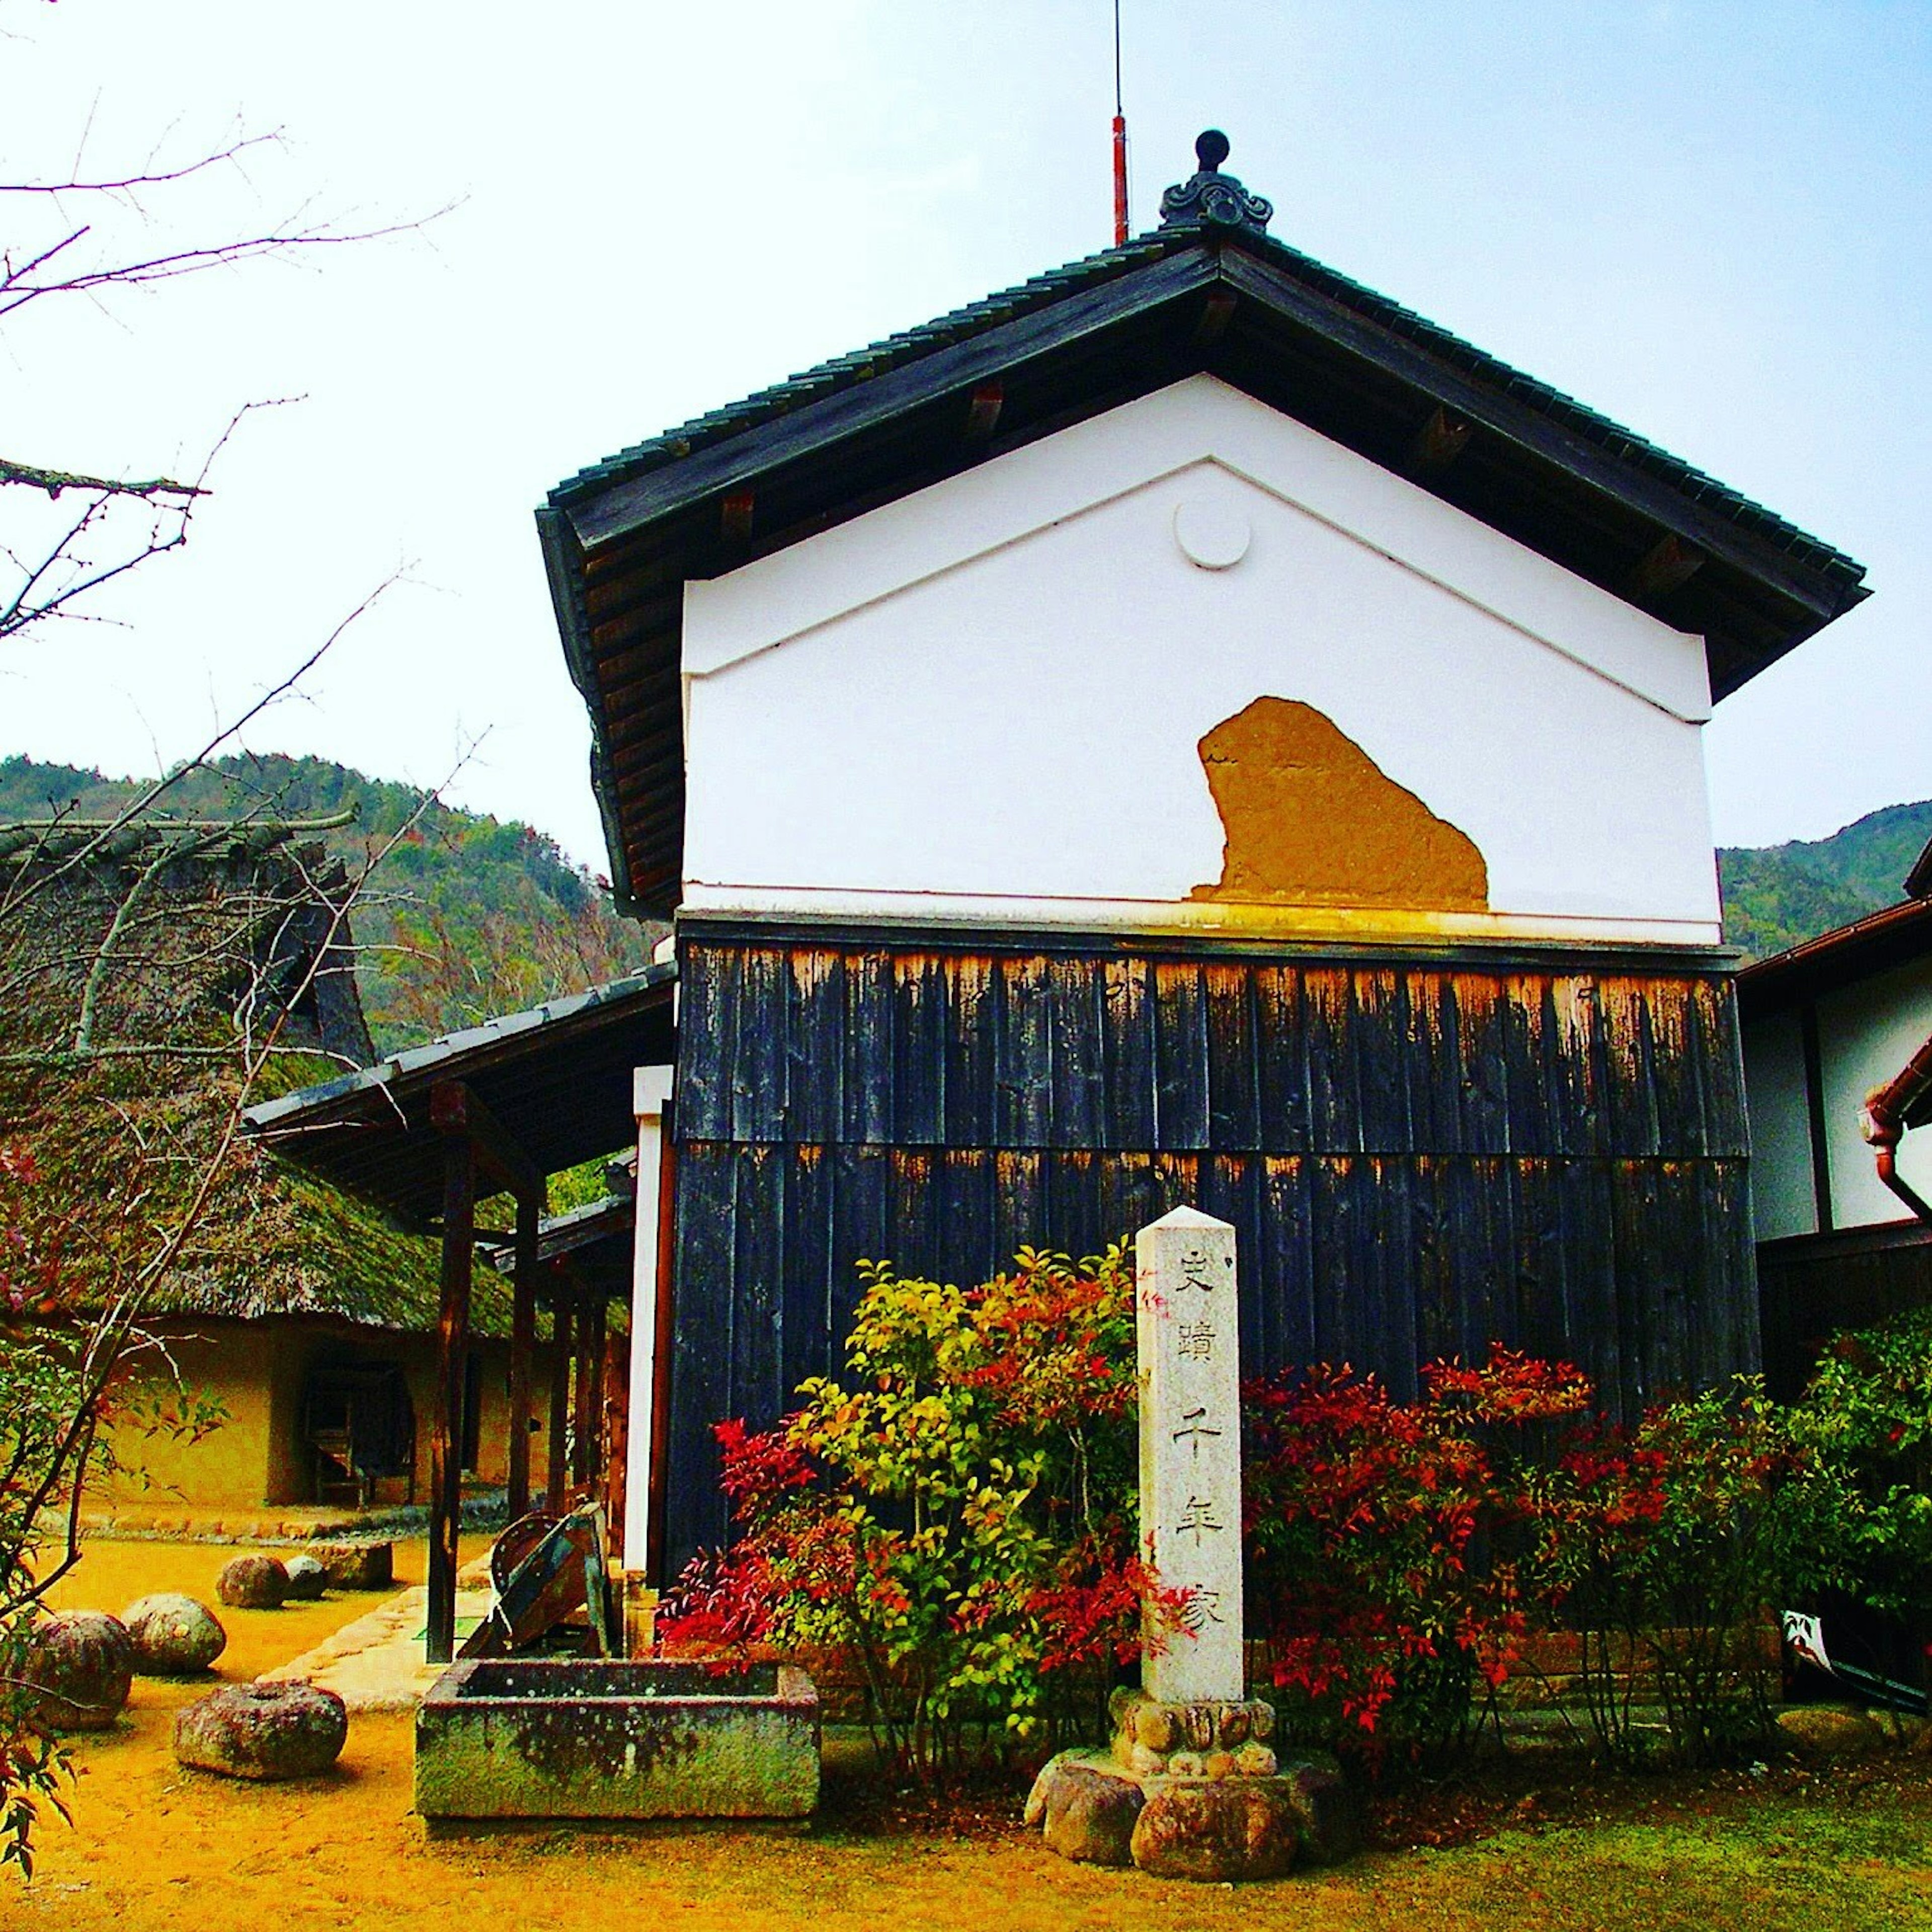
(1191, 1787)
(1189, 1330)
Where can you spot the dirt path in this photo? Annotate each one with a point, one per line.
(157, 1849)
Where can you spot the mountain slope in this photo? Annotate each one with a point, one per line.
(1776, 896)
(464, 917)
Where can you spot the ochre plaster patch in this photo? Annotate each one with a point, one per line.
(1310, 819)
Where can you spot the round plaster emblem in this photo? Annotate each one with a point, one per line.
(1213, 534)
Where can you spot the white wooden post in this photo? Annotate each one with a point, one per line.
(650, 1088)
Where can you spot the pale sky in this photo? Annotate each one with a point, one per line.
(1708, 221)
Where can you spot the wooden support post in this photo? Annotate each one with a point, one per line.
(665, 1314)
(452, 1343)
(523, 1341)
(561, 1324)
(589, 1336)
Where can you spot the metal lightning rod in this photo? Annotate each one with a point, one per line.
(1120, 141)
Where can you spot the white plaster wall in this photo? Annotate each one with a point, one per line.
(1783, 1199)
(1866, 1034)
(988, 698)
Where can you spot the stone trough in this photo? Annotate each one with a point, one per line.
(572, 1737)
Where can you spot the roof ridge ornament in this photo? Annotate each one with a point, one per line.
(1211, 199)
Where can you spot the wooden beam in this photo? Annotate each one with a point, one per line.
(1669, 563)
(734, 516)
(562, 1322)
(1439, 442)
(455, 1109)
(452, 1345)
(522, 1342)
(1216, 312)
(982, 411)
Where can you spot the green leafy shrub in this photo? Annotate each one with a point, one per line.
(1671, 1546)
(1867, 1416)
(954, 1518)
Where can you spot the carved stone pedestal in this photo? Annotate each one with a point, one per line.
(1194, 1791)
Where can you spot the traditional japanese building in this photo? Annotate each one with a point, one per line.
(1184, 729)
(1838, 1046)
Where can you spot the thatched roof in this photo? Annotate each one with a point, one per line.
(134, 977)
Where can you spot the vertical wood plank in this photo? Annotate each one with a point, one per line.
(972, 999)
(759, 1099)
(1281, 1061)
(695, 1515)
(1377, 1029)
(867, 1048)
(1482, 1053)
(814, 1038)
(1128, 1047)
(1076, 1008)
(1234, 1070)
(707, 1039)
(808, 1345)
(760, 1241)
(1180, 1056)
(1287, 1264)
(1023, 1054)
(1630, 1090)
(920, 1030)
(1334, 1105)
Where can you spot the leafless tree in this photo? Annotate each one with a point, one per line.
(80, 238)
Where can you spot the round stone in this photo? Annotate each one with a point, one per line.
(1090, 1814)
(253, 1583)
(1231, 1728)
(1324, 1807)
(1830, 1730)
(1233, 1829)
(173, 1635)
(1154, 1727)
(307, 1578)
(267, 1731)
(1212, 533)
(1254, 1760)
(79, 1665)
(1035, 1813)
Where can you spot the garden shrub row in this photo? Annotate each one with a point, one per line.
(952, 1524)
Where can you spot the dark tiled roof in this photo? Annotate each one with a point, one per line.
(844, 372)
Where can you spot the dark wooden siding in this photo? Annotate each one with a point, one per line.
(1420, 1156)
(1812, 1286)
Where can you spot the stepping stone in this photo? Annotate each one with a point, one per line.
(80, 1666)
(307, 1578)
(265, 1732)
(173, 1635)
(253, 1583)
(356, 1566)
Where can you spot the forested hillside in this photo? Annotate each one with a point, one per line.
(465, 917)
(1775, 896)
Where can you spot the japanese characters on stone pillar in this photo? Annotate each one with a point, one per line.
(1189, 1335)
